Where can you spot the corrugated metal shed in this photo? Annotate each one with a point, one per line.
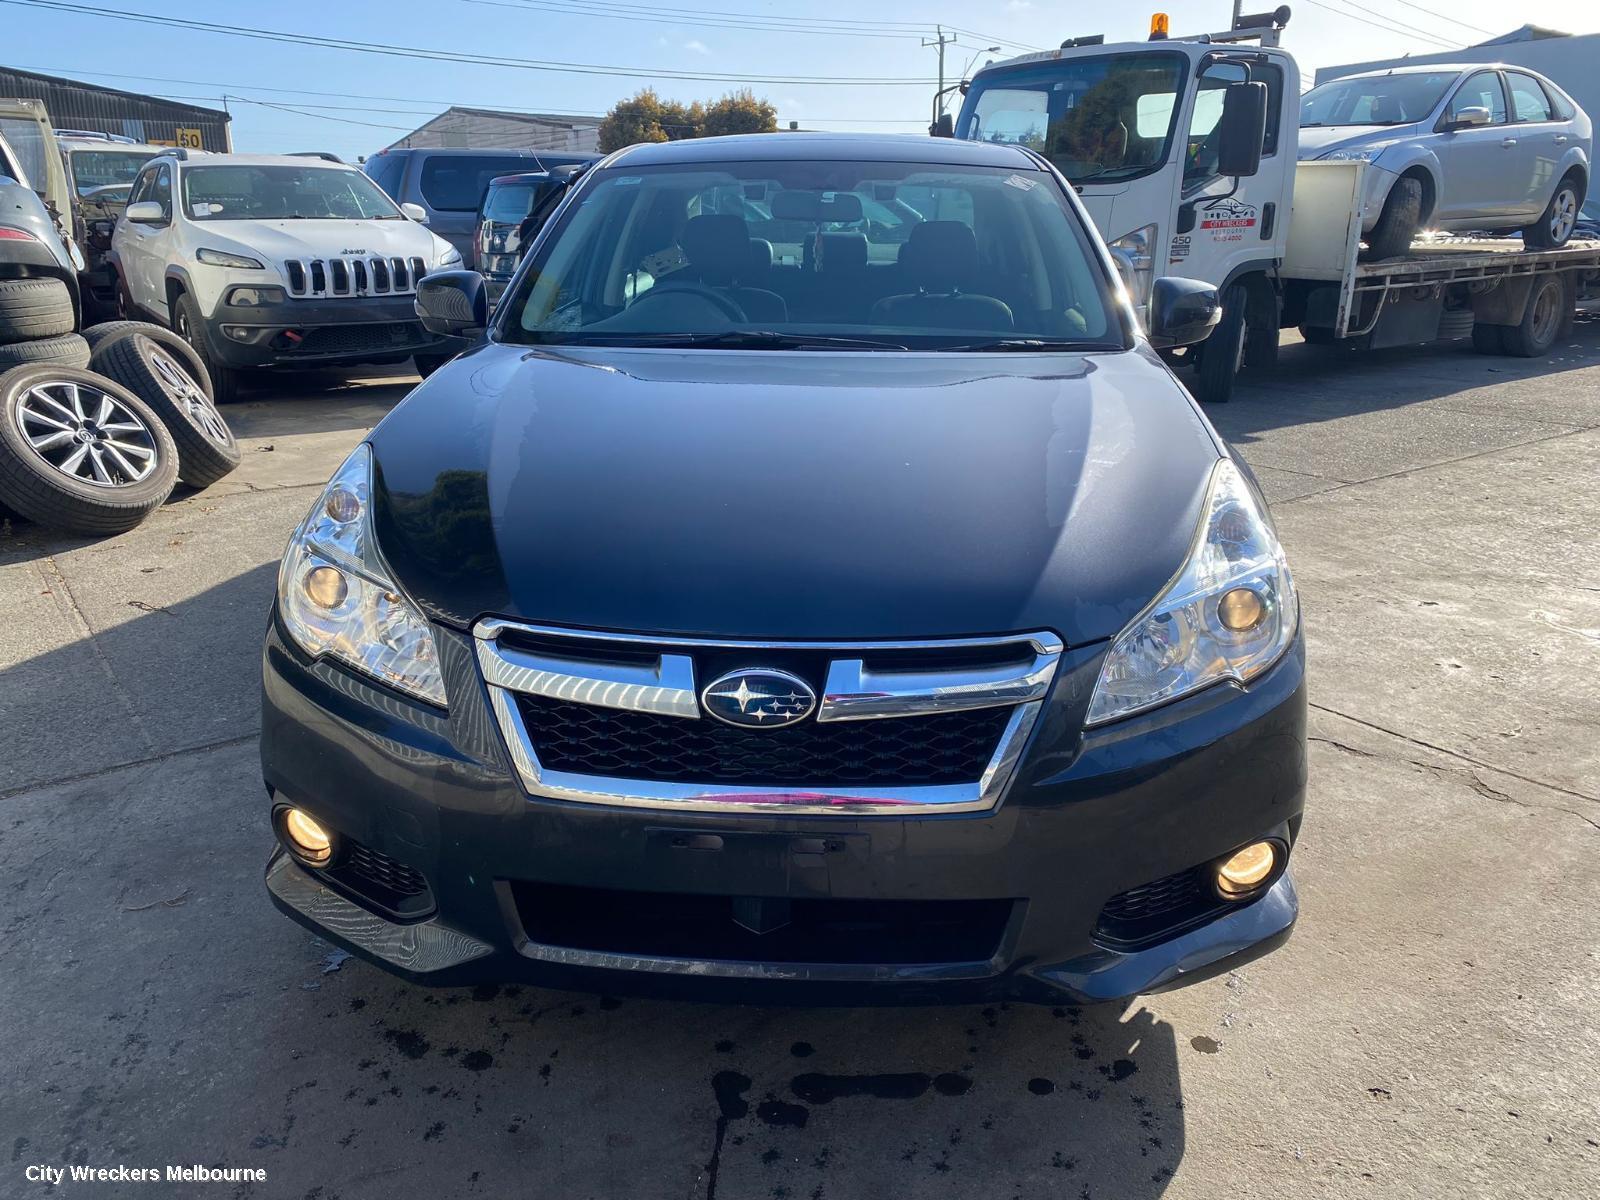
(487, 129)
(148, 119)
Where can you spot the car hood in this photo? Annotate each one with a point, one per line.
(792, 494)
(316, 238)
(1315, 140)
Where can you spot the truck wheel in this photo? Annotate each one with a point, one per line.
(102, 335)
(1261, 348)
(1556, 223)
(67, 351)
(1317, 335)
(1222, 353)
(35, 308)
(1486, 339)
(80, 452)
(187, 323)
(206, 447)
(1541, 322)
(1397, 226)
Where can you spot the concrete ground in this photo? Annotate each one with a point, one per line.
(1429, 1031)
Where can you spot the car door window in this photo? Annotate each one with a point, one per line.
(141, 187)
(1528, 101)
(1481, 91)
(1205, 122)
(161, 191)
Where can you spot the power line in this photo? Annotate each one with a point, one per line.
(1452, 20)
(1317, 3)
(621, 13)
(420, 53)
(1396, 21)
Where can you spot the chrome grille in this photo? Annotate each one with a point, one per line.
(601, 718)
(320, 278)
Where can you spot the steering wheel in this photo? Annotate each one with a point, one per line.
(716, 299)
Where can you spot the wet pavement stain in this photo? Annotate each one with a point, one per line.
(781, 1113)
(817, 1088)
(1206, 1045)
(410, 1043)
(477, 1060)
(1041, 1087)
(802, 1050)
(729, 1088)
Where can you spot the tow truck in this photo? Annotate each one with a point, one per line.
(1183, 151)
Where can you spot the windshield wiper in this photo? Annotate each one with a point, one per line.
(1029, 345)
(741, 339)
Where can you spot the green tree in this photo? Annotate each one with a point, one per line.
(646, 117)
(738, 112)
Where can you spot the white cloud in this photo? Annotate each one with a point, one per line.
(696, 46)
(1018, 5)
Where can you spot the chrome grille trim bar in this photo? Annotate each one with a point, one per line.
(668, 688)
(1023, 684)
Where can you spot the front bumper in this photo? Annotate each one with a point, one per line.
(1087, 818)
(322, 333)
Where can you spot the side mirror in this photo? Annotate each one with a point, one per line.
(1182, 311)
(1243, 125)
(1469, 118)
(416, 212)
(146, 212)
(945, 126)
(453, 303)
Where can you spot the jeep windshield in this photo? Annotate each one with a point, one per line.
(283, 193)
(817, 255)
(1098, 119)
(1400, 99)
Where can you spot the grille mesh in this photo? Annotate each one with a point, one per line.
(382, 870)
(946, 748)
(1157, 909)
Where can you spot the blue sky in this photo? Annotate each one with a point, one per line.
(352, 103)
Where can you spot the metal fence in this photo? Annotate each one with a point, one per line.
(148, 119)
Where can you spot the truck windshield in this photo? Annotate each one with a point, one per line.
(788, 255)
(104, 168)
(1097, 118)
(274, 193)
(509, 203)
(1401, 99)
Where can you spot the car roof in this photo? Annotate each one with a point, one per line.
(805, 147)
(73, 143)
(263, 160)
(1436, 69)
(508, 151)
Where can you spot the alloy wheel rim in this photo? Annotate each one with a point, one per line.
(1566, 214)
(189, 397)
(86, 434)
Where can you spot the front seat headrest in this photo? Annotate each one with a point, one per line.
(941, 256)
(718, 244)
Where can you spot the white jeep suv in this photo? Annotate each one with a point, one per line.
(277, 261)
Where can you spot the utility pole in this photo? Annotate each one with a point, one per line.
(940, 43)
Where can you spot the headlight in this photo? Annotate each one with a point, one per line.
(1135, 256)
(221, 258)
(1354, 154)
(336, 596)
(450, 258)
(1230, 613)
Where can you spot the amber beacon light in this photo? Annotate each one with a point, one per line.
(1159, 25)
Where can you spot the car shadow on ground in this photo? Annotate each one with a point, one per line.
(1312, 384)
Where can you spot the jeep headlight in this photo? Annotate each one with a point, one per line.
(337, 598)
(221, 258)
(450, 259)
(1354, 154)
(1135, 256)
(1230, 613)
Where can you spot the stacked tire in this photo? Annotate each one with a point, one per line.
(96, 430)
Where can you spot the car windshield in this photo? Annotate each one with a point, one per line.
(1398, 99)
(273, 193)
(103, 168)
(1099, 119)
(866, 255)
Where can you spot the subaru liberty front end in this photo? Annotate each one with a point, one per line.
(812, 588)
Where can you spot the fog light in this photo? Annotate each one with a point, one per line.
(308, 839)
(1240, 609)
(1245, 872)
(327, 587)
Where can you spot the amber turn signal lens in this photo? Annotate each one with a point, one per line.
(1244, 873)
(309, 840)
(1240, 609)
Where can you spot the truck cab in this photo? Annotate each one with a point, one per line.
(1143, 130)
